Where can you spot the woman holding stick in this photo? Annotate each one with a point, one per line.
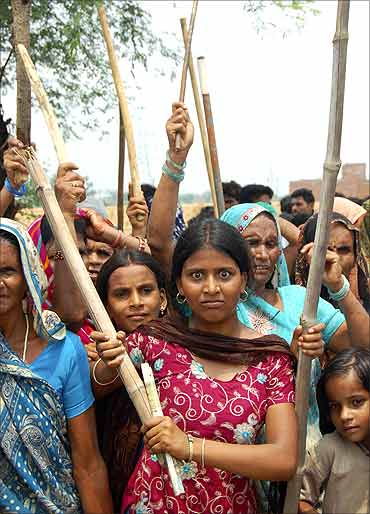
(219, 382)
(49, 458)
(272, 306)
(132, 287)
(345, 248)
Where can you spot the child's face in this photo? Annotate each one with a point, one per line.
(349, 406)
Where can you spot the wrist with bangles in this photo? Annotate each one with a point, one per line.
(202, 456)
(173, 170)
(17, 193)
(96, 380)
(338, 296)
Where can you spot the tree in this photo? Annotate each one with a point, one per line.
(67, 48)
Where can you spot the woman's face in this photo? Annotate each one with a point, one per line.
(262, 237)
(341, 241)
(12, 284)
(134, 297)
(212, 284)
(98, 253)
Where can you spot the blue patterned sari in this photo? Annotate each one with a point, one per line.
(35, 463)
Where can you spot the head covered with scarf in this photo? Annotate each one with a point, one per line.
(46, 323)
(359, 277)
(241, 216)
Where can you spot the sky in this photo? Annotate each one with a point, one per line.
(270, 99)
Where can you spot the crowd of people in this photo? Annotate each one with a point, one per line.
(215, 309)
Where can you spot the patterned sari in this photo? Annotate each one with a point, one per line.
(35, 464)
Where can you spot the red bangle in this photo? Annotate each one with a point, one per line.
(117, 240)
(142, 244)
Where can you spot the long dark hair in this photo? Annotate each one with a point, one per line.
(354, 359)
(207, 233)
(122, 259)
(363, 286)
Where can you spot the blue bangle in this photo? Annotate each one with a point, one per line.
(177, 176)
(179, 167)
(17, 193)
(342, 293)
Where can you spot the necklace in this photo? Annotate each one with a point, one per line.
(25, 344)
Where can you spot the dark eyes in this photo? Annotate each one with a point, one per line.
(357, 402)
(272, 243)
(223, 274)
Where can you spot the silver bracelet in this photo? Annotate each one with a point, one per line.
(96, 380)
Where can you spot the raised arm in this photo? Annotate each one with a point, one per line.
(356, 330)
(163, 212)
(14, 168)
(67, 299)
(291, 234)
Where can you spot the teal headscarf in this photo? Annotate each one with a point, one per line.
(46, 323)
(240, 216)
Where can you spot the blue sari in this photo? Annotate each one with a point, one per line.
(35, 462)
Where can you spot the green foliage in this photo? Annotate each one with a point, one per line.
(294, 12)
(68, 50)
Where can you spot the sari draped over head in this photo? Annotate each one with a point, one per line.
(359, 277)
(35, 463)
(46, 323)
(351, 210)
(240, 216)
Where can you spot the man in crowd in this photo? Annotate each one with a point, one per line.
(253, 193)
(303, 201)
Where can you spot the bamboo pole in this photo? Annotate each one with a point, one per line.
(156, 407)
(211, 134)
(102, 321)
(131, 150)
(202, 125)
(332, 166)
(185, 64)
(45, 106)
(121, 175)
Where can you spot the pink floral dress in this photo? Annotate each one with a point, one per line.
(227, 411)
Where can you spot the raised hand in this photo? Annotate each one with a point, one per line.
(69, 187)
(180, 123)
(332, 276)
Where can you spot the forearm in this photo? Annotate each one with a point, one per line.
(162, 220)
(5, 200)
(67, 299)
(133, 243)
(102, 373)
(289, 231)
(93, 488)
(358, 320)
(257, 462)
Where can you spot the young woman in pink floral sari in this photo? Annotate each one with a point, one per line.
(219, 382)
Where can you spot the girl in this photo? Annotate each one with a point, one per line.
(219, 382)
(339, 464)
(132, 288)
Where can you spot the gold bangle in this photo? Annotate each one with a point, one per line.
(97, 381)
(191, 449)
(203, 453)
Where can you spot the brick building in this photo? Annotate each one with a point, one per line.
(352, 181)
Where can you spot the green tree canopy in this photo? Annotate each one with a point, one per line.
(68, 50)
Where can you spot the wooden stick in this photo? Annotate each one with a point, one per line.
(211, 135)
(45, 106)
(102, 321)
(121, 174)
(185, 64)
(135, 180)
(202, 125)
(155, 405)
(332, 166)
